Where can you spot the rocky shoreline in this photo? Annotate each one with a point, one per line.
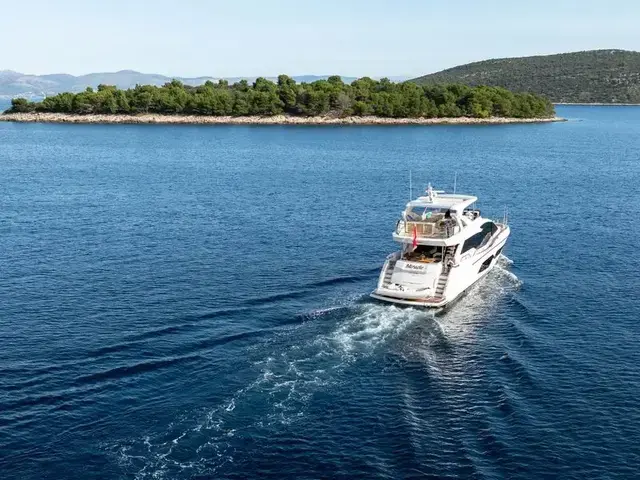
(257, 120)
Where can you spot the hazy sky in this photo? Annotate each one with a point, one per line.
(267, 37)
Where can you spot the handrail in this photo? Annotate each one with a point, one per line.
(434, 230)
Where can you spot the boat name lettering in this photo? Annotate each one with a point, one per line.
(415, 267)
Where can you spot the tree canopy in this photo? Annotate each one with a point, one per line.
(364, 96)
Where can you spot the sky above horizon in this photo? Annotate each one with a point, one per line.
(346, 37)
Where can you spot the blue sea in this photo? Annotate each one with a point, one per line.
(192, 302)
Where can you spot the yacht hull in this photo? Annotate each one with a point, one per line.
(461, 279)
(427, 303)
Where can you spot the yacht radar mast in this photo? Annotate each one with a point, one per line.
(431, 193)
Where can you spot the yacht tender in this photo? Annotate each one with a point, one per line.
(446, 247)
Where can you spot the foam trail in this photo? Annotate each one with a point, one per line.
(295, 363)
(287, 372)
(373, 326)
(504, 260)
(484, 297)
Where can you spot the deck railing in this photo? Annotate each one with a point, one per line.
(425, 229)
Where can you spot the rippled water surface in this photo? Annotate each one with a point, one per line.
(191, 302)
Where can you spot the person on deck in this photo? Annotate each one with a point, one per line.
(448, 223)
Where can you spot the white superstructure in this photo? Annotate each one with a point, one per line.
(446, 246)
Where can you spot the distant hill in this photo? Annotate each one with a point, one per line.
(595, 76)
(15, 84)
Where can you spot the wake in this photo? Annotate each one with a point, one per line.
(298, 362)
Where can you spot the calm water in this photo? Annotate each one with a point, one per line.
(191, 302)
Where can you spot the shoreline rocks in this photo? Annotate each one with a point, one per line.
(257, 120)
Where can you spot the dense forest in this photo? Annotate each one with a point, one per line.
(323, 97)
(596, 76)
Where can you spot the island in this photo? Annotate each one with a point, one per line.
(364, 101)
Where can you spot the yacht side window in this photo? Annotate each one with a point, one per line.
(473, 241)
(488, 229)
(481, 238)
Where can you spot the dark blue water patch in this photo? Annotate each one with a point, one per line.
(128, 370)
(192, 302)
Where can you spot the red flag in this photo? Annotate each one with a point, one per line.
(415, 236)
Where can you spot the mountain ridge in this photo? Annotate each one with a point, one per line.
(589, 76)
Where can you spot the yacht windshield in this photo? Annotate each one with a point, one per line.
(425, 213)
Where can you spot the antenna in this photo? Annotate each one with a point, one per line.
(455, 182)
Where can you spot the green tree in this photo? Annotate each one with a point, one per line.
(323, 97)
(242, 86)
(287, 92)
(314, 102)
(479, 103)
(122, 102)
(362, 109)
(241, 103)
(83, 102)
(428, 108)
(343, 105)
(363, 88)
(142, 99)
(21, 105)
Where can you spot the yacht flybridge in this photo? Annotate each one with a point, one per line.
(446, 247)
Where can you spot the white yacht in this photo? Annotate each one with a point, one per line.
(446, 247)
